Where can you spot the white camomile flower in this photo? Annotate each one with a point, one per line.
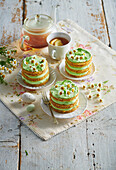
(33, 61)
(34, 56)
(68, 86)
(56, 86)
(15, 62)
(10, 71)
(100, 100)
(73, 90)
(89, 96)
(84, 86)
(37, 63)
(2, 68)
(68, 92)
(92, 85)
(34, 68)
(82, 57)
(11, 62)
(98, 95)
(98, 89)
(70, 52)
(77, 57)
(99, 85)
(8, 53)
(61, 92)
(72, 56)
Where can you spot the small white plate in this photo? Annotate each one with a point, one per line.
(78, 111)
(63, 72)
(50, 81)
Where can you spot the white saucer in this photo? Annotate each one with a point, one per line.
(78, 111)
(63, 72)
(50, 81)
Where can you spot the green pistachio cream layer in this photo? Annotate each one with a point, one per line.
(34, 63)
(64, 89)
(78, 55)
(36, 82)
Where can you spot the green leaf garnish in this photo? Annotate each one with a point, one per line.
(13, 51)
(105, 81)
(64, 92)
(108, 91)
(26, 153)
(64, 81)
(39, 67)
(41, 62)
(80, 54)
(2, 63)
(94, 95)
(93, 90)
(79, 49)
(2, 80)
(103, 89)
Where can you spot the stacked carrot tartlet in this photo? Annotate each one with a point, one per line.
(35, 71)
(64, 96)
(78, 62)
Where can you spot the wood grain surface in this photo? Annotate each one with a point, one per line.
(10, 20)
(90, 145)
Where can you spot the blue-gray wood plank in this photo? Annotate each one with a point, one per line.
(9, 139)
(110, 14)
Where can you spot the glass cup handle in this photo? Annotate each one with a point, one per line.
(25, 37)
(53, 54)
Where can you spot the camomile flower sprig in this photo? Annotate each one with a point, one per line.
(7, 62)
(5, 52)
(94, 90)
(99, 85)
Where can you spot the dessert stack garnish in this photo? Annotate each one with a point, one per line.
(35, 71)
(64, 96)
(7, 62)
(78, 63)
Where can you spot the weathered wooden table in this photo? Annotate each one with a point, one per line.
(90, 145)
